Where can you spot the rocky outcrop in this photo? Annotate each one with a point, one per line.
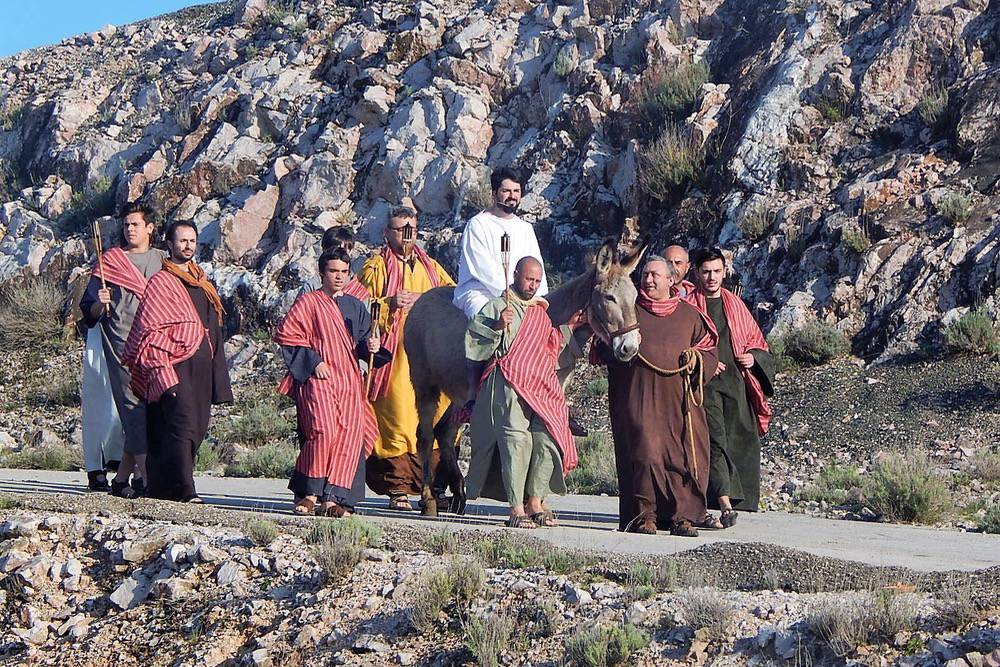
(267, 122)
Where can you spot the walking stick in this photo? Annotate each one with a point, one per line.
(505, 258)
(376, 311)
(96, 231)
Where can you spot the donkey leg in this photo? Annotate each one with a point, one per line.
(427, 401)
(448, 472)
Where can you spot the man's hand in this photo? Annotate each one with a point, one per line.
(403, 300)
(506, 317)
(104, 297)
(374, 343)
(322, 371)
(721, 368)
(745, 360)
(577, 320)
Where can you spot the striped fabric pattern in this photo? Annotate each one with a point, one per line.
(166, 331)
(357, 290)
(334, 416)
(390, 339)
(530, 369)
(745, 336)
(116, 268)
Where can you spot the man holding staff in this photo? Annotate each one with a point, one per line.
(395, 278)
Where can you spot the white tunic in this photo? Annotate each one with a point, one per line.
(480, 270)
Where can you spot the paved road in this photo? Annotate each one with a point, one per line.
(590, 522)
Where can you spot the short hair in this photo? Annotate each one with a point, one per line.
(172, 229)
(402, 211)
(505, 174)
(677, 245)
(703, 255)
(527, 259)
(659, 258)
(337, 237)
(145, 210)
(332, 254)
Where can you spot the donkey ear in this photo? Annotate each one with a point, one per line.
(635, 255)
(605, 258)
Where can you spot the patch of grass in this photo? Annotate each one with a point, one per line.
(258, 422)
(832, 111)
(755, 222)
(517, 553)
(274, 461)
(597, 387)
(451, 587)
(832, 484)
(671, 93)
(31, 315)
(707, 610)
(954, 207)
(990, 523)
(903, 487)
(605, 646)
(8, 503)
(260, 531)
(975, 332)
(595, 473)
(673, 159)
(488, 637)
(933, 104)
(207, 458)
(441, 542)
(956, 605)
(59, 390)
(985, 465)
(854, 238)
(644, 580)
(782, 362)
(816, 343)
(352, 529)
(562, 66)
(843, 623)
(42, 458)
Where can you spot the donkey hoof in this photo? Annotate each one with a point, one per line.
(430, 508)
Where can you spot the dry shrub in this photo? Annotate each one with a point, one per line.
(31, 315)
(673, 159)
(706, 609)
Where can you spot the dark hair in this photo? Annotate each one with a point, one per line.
(172, 229)
(402, 211)
(333, 254)
(702, 255)
(145, 210)
(337, 237)
(505, 174)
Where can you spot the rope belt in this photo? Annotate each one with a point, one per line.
(691, 361)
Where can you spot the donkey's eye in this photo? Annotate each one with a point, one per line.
(609, 297)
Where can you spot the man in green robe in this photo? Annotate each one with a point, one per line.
(736, 398)
(522, 447)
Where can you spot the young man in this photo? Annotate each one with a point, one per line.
(126, 271)
(341, 237)
(175, 352)
(396, 277)
(522, 447)
(659, 428)
(321, 339)
(736, 398)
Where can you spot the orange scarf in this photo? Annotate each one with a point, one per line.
(193, 275)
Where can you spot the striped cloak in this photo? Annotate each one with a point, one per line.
(333, 415)
(116, 268)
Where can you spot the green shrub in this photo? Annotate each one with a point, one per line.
(31, 315)
(815, 343)
(488, 637)
(903, 487)
(956, 605)
(782, 362)
(673, 159)
(954, 207)
(258, 422)
(932, 105)
(707, 610)
(647, 579)
(832, 484)
(260, 531)
(845, 622)
(563, 65)
(517, 553)
(207, 457)
(595, 473)
(274, 461)
(8, 503)
(605, 646)
(441, 542)
(336, 557)
(755, 222)
(670, 94)
(854, 238)
(832, 111)
(975, 332)
(597, 387)
(453, 586)
(985, 465)
(351, 529)
(9, 117)
(42, 458)
(990, 523)
(95, 201)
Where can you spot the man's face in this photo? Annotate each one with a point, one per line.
(711, 274)
(656, 281)
(183, 245)
(335, 275)
(508, 195)
(137, 231)
(677, 257)
(527, 279)
(394, 233)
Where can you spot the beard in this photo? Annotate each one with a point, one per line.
(509, 209)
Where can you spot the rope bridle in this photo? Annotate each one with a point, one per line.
(592, 315)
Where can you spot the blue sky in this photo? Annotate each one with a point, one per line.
(25, 24)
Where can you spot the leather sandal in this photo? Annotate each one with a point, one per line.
(520, 521)
(333, 509)
(304, 506)
(711, 522)
(728, 518)
(683, 528)
(123, 490)
(400, 501)
(544, 519)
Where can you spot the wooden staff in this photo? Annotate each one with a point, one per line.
(96, 231)
(376, 312)
(505, 258)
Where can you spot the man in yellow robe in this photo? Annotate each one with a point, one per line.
(395, 277)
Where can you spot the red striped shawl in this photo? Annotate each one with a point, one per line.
(357, 290)
(530, 369)
(166, 331)
(745, 336)
(116, 268)
(337, 421)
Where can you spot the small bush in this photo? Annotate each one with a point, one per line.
(336, 557)
(441, 542)
(597, 387)
(755, 222)
(832, 111)
(62, 390)
(932, 105)
(453, 586)
(671, 93)
(891, 613)
(260, 531)
(985, 465)
(489, 637)
(467, 579)
(510, 552)
(207, 458)
(595, 473)
(815, 343)
(956, 605)
(644, 580)
(990, 523)
(782, 362)
(42, 458)
(93, 202)
(844, 623)
(675, 158)
(7, 503)
(975, 332)
(274, 461)
(563, 65)
(9, 117)
(706, 609)
(352, 529)
(855, 238)
(258, 423)
(903, 487)
(832, 484)
(31, 315)
(541, 619)
(605, 646)
(954, 207)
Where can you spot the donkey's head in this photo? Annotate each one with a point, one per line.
(612, 299)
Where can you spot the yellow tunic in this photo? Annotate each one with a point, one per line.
(396, 412)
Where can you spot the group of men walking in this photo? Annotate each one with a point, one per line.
(686, 413)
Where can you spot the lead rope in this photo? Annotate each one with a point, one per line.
(691, 360)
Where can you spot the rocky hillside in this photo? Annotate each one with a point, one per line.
(847, 152)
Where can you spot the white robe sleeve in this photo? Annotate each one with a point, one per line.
(480, 274)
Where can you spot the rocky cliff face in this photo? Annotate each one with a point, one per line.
(847, 152)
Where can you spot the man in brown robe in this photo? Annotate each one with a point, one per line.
(658, 424)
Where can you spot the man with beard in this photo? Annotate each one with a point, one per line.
(658, 424)
(736, 398)
(175, 353)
